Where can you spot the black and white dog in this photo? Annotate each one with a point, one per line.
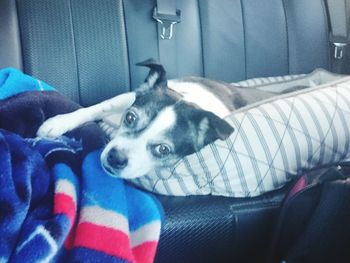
(161, 122)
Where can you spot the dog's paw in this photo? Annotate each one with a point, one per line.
(54, 127)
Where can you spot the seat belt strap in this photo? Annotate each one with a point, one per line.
(167, 16)
(339, 27)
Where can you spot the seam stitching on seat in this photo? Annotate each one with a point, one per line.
(245, 40)
(127, 44)
(74, 49)
(287, 34)
(201, 34)
(324, 7)
(19, 28)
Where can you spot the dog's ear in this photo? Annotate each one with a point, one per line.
(210, 127)
(156, 76)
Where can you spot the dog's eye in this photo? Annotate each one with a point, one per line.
(162, 150)
(130, 118)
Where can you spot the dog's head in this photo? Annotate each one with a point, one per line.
(159, 129)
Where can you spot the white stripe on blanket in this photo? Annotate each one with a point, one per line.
(147, 233)
(64, 186)
(102, 217)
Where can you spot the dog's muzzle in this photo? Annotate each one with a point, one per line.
(117, 159)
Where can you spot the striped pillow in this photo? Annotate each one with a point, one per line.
(274, 141)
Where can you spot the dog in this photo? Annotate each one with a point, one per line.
(161, 122)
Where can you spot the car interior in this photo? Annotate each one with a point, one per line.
(88, 51)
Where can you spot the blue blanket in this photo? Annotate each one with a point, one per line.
(13, 81)
(57, 204)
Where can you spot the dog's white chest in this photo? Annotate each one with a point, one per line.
(195, 93)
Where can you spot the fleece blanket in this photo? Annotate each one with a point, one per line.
(56, 202)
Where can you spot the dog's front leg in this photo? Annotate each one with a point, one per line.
(60, 124)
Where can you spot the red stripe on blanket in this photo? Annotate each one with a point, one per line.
(64, 204)
(145, 252)
(69, 242)
(103, 239)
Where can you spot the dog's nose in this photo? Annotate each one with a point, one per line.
(117, 159)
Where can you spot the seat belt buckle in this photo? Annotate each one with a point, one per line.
(339, 50)
(167, 22)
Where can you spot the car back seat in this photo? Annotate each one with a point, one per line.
(88, 50)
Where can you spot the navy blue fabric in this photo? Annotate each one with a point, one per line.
(45, 184)
(37, 226)
(25, 181)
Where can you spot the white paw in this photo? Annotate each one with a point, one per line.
(55, 127)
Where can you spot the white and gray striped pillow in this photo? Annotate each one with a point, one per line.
(274, 141)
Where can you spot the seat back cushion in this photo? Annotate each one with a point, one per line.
(77, 46)
(88, 50)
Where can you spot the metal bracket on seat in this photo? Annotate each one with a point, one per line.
(338, 50)
(167, 22)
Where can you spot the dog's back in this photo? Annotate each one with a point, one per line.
(218, 97)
